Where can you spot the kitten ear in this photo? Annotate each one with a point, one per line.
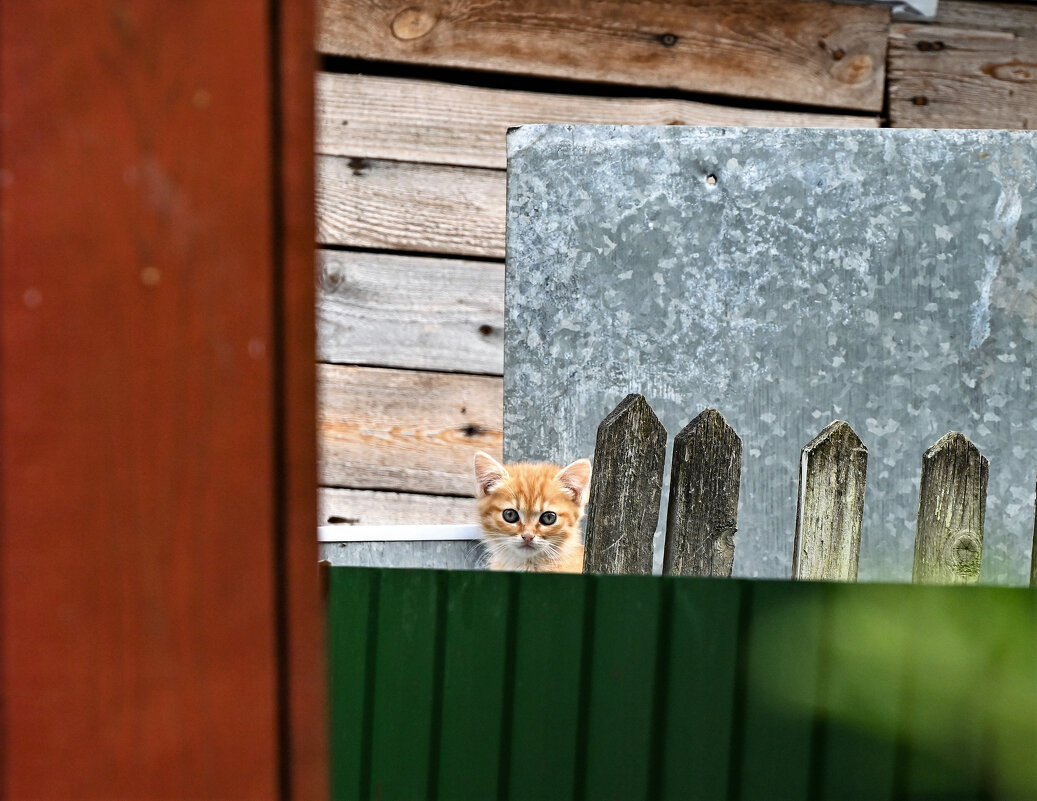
(489, 473)
(576, 479)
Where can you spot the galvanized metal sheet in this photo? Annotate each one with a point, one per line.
(787, 277)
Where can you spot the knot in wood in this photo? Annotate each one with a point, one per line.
(1014, 71)
(332, 280)
(725, 540)
(413, 23)
(965, 554)
(854, 70)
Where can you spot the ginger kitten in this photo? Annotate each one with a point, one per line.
(530, 514)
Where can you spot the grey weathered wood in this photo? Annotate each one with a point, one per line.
(702, 515)
(386, 310)
(376, 508)
(412, 207)
(626, 487)
(951, 507)
(832, 475)
(430, 122)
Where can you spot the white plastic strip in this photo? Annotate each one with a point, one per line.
(342, 533)
(904, 9)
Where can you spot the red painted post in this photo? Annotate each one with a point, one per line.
(159, 609)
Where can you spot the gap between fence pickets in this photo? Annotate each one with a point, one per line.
(408, 533)
(624, 501)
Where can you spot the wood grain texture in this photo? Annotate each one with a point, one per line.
(626, 486)
(374, 508)
(140, 648)
(440, 123)
(832, 476)
(951, 507)
(974, 67)
(406, 430)
(804, 52)
(411, 207)
(702, 513)
(401, 311)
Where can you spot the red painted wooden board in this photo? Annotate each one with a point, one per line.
(156, 461)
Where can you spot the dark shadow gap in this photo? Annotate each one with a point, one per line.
(734, 776)
(398, 491)
(377, 366)
(421, 254)
(278, 387)
(528, 83)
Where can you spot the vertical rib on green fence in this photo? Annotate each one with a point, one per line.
(625, 489)
(832, 476)
(703, 510)
(951, 506)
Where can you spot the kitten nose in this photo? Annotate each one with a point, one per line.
(527, 538)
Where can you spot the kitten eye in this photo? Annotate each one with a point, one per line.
(510, 515)
(548, 518)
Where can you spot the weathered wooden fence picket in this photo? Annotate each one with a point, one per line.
(458, 685)
(703, 507)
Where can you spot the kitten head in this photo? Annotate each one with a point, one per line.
(530, 513)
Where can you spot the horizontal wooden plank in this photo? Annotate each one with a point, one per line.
(975, 67)
(405, 429)
(442, 123)
(415, 207)
(374, 508)
(805, 52)
(404, 311)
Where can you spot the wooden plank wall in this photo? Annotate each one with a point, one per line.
(413, 104)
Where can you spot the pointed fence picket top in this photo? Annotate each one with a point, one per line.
(832, 476)
(951, 507)
(703, 509)
(626, 486)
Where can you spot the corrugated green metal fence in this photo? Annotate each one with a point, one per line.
(473, 685)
